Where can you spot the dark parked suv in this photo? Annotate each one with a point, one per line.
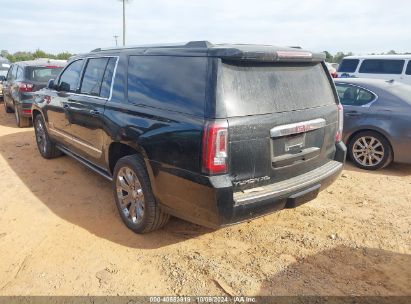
(23, 78)
(214, 134)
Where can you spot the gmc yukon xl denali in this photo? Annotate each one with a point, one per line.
(213, 134)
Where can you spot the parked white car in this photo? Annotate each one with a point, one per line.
(389, 67)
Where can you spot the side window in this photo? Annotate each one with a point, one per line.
(108, 78)
(354, 96)
(168, 82)
(380, 66)
(348, 65)
(408, 71)
(19, 73)
(71, 76)
(10, 73)
(93, 76)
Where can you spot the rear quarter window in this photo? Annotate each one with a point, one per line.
(168, 82)
(253, 89)
(382, 66)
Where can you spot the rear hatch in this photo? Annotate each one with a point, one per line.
(282, 119)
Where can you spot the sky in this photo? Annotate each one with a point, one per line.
(77, 26)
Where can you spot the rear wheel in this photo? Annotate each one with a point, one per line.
(134, 198)
(370, 151)
(22, 122)
(46, 147)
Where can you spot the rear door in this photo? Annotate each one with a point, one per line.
(356, 102)
(87, 107)
(282, 119)
(11, 75)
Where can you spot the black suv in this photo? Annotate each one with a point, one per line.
(22, 79)
(214, 134)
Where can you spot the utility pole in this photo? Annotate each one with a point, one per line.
(115, 37)
(124, 22)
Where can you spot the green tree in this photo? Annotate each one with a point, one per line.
(340, 55)
(64, 56)
(328, 56)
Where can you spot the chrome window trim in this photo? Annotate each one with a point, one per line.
(298, 127)
(367, 105)
(76, 140)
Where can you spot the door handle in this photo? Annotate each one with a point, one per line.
(94, 113)
(353, 113)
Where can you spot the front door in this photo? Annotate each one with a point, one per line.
(57, 109)
(86, 109)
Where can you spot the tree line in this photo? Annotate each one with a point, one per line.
(23, 56)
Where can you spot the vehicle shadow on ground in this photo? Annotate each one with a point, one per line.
(343, 271)
(393, 169)
(82, 197)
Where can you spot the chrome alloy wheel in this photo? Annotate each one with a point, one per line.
(368, 151)
(130, 195)
(41, 136)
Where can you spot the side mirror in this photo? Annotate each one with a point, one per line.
(64, 86)
(51, 85)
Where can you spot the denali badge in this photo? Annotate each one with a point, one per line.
(251, 181)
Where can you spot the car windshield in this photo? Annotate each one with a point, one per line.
(43, 74)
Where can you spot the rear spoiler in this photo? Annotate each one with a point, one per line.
(282, 55)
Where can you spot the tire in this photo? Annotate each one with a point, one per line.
(370, 150)
(46, 147)
(141, 213)
(22, 122)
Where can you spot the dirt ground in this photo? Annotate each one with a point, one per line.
(60, 234)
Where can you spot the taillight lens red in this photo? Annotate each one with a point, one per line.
(25, 87)
(339, 135)
(215, 145)
(334, 75)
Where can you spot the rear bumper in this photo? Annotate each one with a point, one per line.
(24, 109)
(211, 202)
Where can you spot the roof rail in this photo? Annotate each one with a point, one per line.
(190, 44)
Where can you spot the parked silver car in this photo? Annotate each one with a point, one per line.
(377, 121)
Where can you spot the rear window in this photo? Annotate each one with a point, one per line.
(348, 65)
(252, 89)
(42, 74)
(381, 66)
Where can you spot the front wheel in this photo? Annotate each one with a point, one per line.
(134, 198)
(370, 151)
(46, 147)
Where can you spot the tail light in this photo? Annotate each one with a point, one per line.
(25, 87)
(338, 136)
(334, 75)
(215, 145)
